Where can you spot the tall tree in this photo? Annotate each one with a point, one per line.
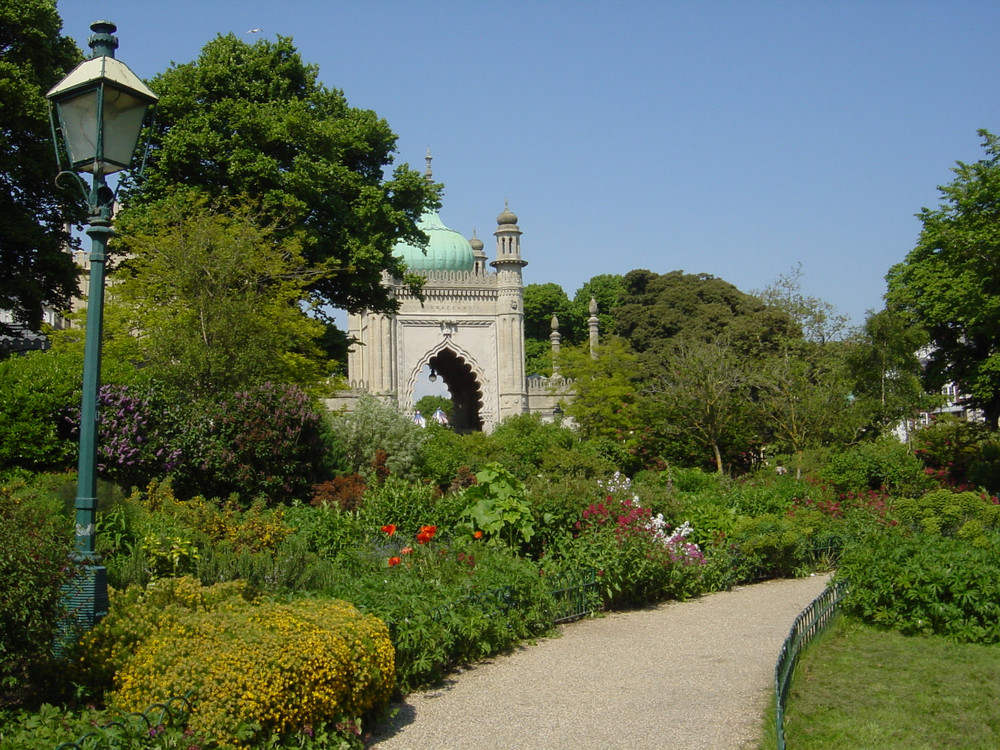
(817, 319)
(804, 400)
(885, 369)
(37, 271)
(215, 300)
(659, 307)
(607, 289)
(255, 120)
(950, 282)
(703, 389)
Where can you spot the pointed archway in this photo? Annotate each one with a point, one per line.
(466, 392)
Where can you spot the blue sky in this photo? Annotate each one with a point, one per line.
(732, 138)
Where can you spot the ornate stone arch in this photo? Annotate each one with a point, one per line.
(466, 380)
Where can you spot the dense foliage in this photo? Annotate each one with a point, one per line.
(306, 160)
(950, 285)
(34, 56)
(34, 565)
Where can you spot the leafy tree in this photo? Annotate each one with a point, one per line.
(312, 164)
(214, 297)
(703, 389)
(33, 213)
(541, 302)
(607, 400)
(805, 401)
(885, 369)
(818, 320)
(658, 307)
(950, 282)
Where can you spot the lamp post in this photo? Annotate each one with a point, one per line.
(100, 107)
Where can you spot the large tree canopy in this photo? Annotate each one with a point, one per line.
(950, 282)
(33, 213)
(657, 308)
(255, 120)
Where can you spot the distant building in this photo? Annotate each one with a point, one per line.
(469, 330)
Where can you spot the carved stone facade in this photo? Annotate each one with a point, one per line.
(469, 330)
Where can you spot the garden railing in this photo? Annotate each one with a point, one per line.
(172, 711)
(812, 621)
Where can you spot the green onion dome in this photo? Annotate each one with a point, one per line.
(447, 250)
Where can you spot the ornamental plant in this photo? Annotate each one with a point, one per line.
(261, 441)
(497, 504)
(639, 558)
(277, 668)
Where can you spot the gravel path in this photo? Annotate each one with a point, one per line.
(695, 674)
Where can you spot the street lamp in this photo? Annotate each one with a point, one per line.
(101, 107)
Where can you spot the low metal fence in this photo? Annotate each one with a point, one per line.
(812, 621)
(106, 737)
(575, 595)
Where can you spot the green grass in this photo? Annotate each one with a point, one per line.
(857, 687)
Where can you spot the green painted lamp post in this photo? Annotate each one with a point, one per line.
(100, 107)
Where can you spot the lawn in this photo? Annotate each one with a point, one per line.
(858, 687)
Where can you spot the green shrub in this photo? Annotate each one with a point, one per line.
(447, 604)
(778, 546)
(446, 453)
(948, 513)
(261, 441)
(951, 446)
(276, 667)
(35, 391)
(36, 541)
(926, 583)
(353, 439)
(521, 442)
(886, 465)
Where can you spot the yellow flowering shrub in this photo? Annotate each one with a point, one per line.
(279, 666)
(134, 614)
(255, 528)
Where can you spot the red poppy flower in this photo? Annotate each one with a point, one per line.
(477, 534)
(389, 529)
(394, 561)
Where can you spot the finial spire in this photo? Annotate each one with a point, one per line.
(428, 174)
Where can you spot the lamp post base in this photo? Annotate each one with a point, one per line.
(85, 599)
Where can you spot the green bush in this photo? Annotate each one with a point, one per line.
(950, 447)
(778, 546)
(447, 604)
(262, 441)
(886, 465)
(967, 514)
(354, 438)
(35, 544)
(35, 391)
(926, 583)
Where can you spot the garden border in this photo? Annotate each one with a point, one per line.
(811, 621)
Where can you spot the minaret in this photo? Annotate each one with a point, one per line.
(556, 339)
(479, 269)
(592, 323)
(510, 315)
